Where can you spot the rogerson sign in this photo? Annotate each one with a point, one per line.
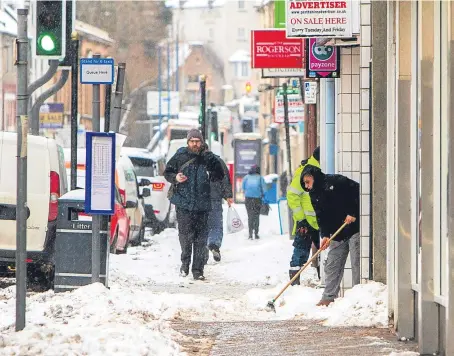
(271, 49)
(306, 18)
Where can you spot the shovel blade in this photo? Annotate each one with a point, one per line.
(270, 307)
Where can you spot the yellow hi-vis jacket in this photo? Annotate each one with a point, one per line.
(299, 200)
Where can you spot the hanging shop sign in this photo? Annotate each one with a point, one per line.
(295, 106)
(271, 49)
(312, 18)
(322, 61)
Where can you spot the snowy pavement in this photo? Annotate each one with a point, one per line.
(148, 300)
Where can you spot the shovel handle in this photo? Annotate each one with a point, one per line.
(309, 262)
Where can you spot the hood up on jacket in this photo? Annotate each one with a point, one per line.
(317, 174)
(255, 170)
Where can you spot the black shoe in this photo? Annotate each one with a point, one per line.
(184, 271)
(257, 236)
(216, 254)
(199, 277)
(291, 274)
(250, 237)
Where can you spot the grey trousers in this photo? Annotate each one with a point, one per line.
(335, 263)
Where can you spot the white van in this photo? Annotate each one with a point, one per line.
(46, 182)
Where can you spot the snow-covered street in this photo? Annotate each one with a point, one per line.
(147, 295)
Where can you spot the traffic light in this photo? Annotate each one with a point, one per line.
(50, 25)
(248, 87)
(214, 127)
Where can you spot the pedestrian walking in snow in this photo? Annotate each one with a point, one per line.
(219, 190)
(335, 199)
(305, 228)
(190, 171)
(254, 188)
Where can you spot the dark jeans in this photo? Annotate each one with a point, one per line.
(193, 234)
(215, 224)
(299, 257)
(253, 214)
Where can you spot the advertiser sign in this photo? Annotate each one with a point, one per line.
(271, 49)
(295, 107)
(51, 116)
(318, 18)
(322, 61)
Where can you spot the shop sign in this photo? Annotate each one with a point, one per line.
(295, 106)
(51, 116)
(271, 49)
(322, 61)
(319, 18)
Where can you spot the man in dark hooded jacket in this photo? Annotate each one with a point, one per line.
(335, 199)
(190, 171)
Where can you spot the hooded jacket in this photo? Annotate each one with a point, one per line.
(254, 185)
(333, 197)
(195, 193)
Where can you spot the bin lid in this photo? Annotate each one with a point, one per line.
(77, 194)
(270, 178)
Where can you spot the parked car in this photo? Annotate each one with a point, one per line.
(132, 200)
(149, 170)
(119, 226)
(46, 183)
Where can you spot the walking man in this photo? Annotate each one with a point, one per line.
(305, 228)
(190, 171)
(219, 190)
(335, 199)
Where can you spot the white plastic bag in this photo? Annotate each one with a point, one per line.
(234, 223)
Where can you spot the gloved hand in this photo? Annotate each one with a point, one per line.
(204, 149)
(303, 228)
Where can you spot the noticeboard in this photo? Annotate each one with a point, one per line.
(100, 173)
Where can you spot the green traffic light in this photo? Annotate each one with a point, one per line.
(47, 42)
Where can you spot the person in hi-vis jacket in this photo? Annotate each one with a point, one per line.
(305, 228)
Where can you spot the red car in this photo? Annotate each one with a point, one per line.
(119, 227)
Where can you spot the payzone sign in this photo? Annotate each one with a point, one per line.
(322, 61)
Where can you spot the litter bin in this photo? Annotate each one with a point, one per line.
(73, 244)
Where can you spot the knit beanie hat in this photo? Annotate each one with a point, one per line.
(194, 133)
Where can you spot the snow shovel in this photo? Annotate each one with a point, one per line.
(270, 306)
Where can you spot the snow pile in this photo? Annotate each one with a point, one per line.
(364, 305)
(90, 320)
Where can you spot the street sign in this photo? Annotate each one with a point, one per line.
(100, 173)
(295, 106)
(310, 92)
(51, 116)
(96, 70)
(153, 103)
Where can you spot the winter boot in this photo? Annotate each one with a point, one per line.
(184, 271)
(291, 274)
(257, 236)
(216, 254)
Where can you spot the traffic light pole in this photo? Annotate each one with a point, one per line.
(22, 131)
(289, 154)
(53, 66)
(118, 98)
(74, 103)
(34, 112)
(203, 102)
